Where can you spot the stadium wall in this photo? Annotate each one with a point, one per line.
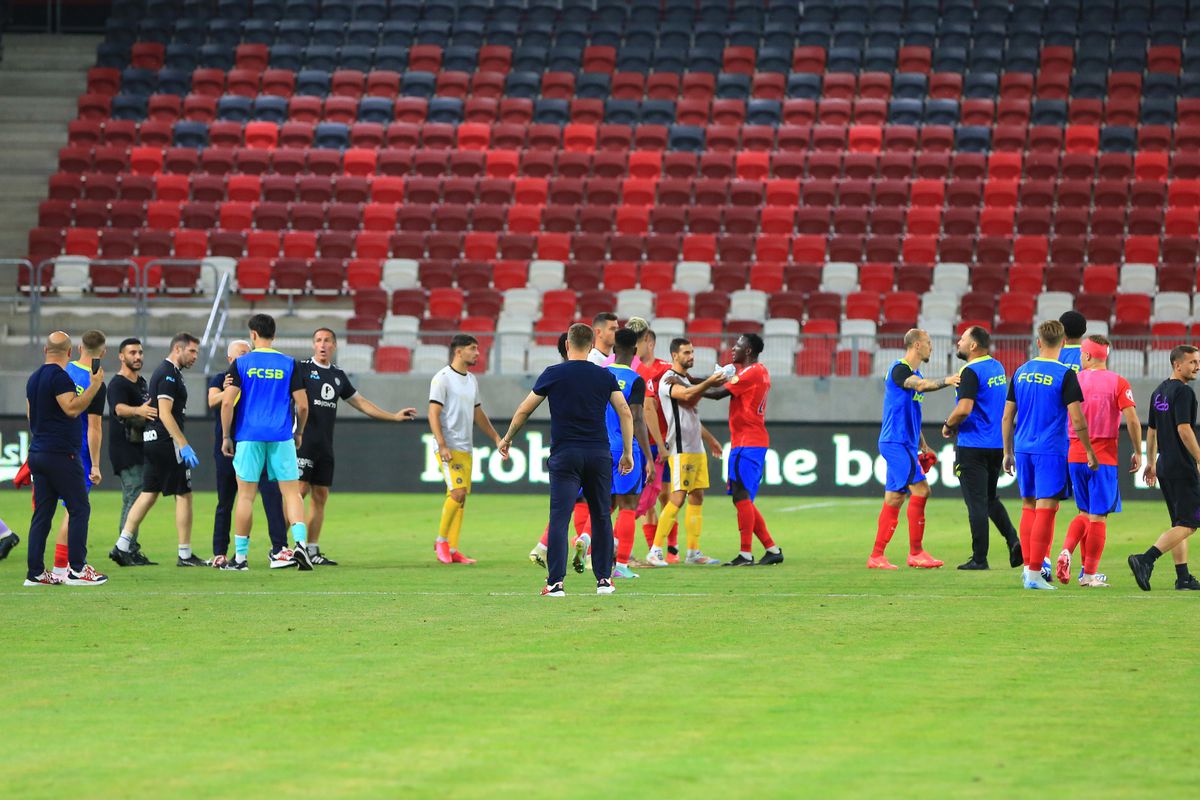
(805, 459)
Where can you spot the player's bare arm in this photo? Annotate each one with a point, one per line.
(300, 398)
(485, 425)
(365, 406)
(691, 394)
(960, 412)
(619, 404)
(930, 384)
(1150, 474)
(714, 445)
(643, 438)
(165, 405)
(74, 404)
(1133, 426)
(149, 412)
(435, 427)
(1079, 425)
(228, 400)
(1007, 425)
(95, 437)
(655, 434)
(520, 417)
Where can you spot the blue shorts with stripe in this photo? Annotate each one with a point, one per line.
(903, 469)
(746, 469)
(635, 481)
(1042, 477)
(1096, 492)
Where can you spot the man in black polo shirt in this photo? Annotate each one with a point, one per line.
(130, 412)
(1172, 455)
(53, 406)
(579, 393)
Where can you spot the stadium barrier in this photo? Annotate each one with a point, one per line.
(804, 460)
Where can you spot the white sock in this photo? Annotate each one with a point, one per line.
(59, 571)
(125, 542)
(239, 558)
(1086, 577)
(745, 554)
(453, 550)
(541, 548)
(774, 549)
(442, 539)
(185, 551)
(691, 552)
(313, 549)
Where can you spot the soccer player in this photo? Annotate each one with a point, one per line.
(979, 445)
(91, 352)
(901, 443)
(580, 458)
(130, 411)
(326, 383)
(8, 540)
(604, 331)
(656, 490)
(270, 420)
(53, 406)
(280, 556)
(1075, 326)
(455, 407)
(1043, 394)
(169, 458)
(1107, 398)
(627, 486)
(686, 439)
(1172, 454)
(748, 388)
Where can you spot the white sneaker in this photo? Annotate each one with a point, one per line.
(1033, 579)
(655, 558)
(85, 577)
(1093, 581)
(538, 556)
(699, 559)
(47, 578)
(283, 559)
(605, 586)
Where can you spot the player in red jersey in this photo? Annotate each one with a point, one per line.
(654, 496)
(747, 389)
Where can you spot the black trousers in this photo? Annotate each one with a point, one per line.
(227, 497)
(978, 470)
(571, 470)
(57, 476)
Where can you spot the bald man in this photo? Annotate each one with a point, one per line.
(53, 407)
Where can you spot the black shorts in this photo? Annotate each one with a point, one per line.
(1181, 492)
(164, 474)
(316, 466)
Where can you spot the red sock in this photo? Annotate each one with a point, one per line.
(1026, 534)
(1075, 532)
(624, 530)
(60, 556)
(648, 532)
(1043, 535)
(916, 524)
(673, 537)
(545, 540)
(888, 517)
(583, 520)
(760, 529)
(1093, 546)
(745, 518)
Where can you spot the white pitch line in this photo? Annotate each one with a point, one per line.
(780, 595)
(829, 504)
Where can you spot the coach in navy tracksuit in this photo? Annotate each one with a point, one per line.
(54, 407)
(579, 393)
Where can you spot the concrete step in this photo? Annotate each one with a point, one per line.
(42, 83)
(39, 109)
(32, 52)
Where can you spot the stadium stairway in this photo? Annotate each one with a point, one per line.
(41, 79)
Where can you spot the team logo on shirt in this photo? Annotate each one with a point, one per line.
(314, 376)
(326, 391)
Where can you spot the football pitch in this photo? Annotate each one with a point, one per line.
(394, 676)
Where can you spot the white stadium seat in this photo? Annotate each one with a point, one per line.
(546, 275)
(400, 331)
(840, 277)
(693, 276)
(523, 302)
(400, 273)
(748, 304)
(635, 303)
(1051, 305)
(1172, 307)
(428, 359)
(951, 277)
(1138, 279)
(71, 275)
(357, 359)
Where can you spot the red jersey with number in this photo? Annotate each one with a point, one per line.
(748, 406)
(650, 374)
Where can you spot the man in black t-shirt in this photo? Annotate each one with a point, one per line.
(325, 384)
(129, 413)
(168, 457)
(1172, 455)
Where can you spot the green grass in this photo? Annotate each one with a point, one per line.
(393, 676)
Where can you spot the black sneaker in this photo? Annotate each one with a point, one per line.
(1015, 557)
(739, 561)
(236, 566)
(319, 559)
(140, 559)
(122, 558)
(973, 565)
(7, 544)
(605, 586)
(303, 559)
(1188, 584)
(769, 558)
(191, 561)
(1142, 570)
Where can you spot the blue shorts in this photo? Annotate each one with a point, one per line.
(903, 469)
(1096, 492)
(1042, 477)
(278, 457)
(635, 481)
(746, 468)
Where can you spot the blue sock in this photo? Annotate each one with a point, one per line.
(241, 547)
(300, 534)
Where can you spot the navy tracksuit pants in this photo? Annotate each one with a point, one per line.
(226, 498)
(58, 476)
(573, 469)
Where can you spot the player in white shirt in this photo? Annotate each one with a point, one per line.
(604, 330)
(455, 407)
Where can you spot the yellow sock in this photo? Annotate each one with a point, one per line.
(456, 527)
(693, 518)
(666, 521)
(449, 510)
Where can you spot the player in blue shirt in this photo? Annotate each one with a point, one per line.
(901, 444)
(265, 385)
(979, 444)
(627, 487)
(1043, 394)
(580, 458)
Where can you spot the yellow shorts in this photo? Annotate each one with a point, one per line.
(689, 471)
(458, 471)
